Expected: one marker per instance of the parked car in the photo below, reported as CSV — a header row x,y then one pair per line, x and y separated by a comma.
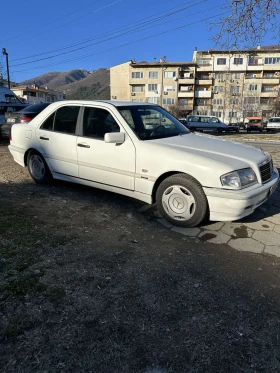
x,y
205,122
141,151
233,127
255,124
23,116
273,124
9,102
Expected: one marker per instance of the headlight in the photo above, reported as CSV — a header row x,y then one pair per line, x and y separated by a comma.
x,y
239,179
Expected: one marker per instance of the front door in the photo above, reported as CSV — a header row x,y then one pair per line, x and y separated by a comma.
x,y
105,163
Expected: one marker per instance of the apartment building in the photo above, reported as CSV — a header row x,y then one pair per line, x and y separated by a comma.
x,y
229,84
244,83
34,94
160,82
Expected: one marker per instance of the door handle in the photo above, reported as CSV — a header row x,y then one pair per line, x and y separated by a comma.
x,y
83,145
44,138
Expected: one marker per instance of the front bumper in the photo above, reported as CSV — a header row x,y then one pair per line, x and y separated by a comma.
x,y
229,205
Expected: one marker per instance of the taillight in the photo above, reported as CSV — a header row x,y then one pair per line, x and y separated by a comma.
x,y
25,119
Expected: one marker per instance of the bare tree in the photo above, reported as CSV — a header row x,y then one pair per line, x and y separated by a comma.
x,y
246,22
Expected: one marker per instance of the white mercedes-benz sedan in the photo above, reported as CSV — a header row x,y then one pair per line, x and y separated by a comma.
x,y
141,151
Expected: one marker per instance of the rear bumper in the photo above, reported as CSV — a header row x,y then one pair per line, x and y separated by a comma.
x,y
18,154
229,205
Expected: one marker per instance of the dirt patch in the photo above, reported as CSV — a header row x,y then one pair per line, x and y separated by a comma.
x,y
90,282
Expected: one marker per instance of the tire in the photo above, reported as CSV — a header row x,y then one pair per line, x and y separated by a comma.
x,y
219,130
181,200
38,168
237,130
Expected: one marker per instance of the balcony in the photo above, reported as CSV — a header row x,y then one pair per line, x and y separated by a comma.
x,y
203,81
203,94
183,80
269,94
274,80
185,94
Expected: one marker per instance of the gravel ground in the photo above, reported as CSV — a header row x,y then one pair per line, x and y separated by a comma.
x,y
91,282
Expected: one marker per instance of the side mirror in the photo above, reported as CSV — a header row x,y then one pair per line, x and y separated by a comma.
x,y
114,137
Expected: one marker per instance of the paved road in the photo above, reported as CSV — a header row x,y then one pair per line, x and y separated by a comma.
x,y
258,233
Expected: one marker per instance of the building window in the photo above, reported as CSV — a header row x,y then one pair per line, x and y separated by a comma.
x,y
218,89
251,100
204,62
169,74
137,88
221,61
232,114
252,87
272,61
217,101
185,101
267,88
220,77
153,74
152,87
169,88
234,89
238,61
168,101
137,75
268,75
217,114
137,100
254,61
235,76
233,101
152,100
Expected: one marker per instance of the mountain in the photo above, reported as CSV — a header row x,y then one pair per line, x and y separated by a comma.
x,y
76,84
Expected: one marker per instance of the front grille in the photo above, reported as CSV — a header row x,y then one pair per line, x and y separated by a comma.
x,y
266,171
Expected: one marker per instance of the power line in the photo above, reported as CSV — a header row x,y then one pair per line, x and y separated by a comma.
x,y
113,37
126,44
123,28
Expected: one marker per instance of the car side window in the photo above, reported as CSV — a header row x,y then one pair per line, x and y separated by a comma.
x,y
204,119
215,120
48,123
97,122
66,119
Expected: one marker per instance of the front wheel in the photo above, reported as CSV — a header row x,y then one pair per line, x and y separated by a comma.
x,y
181,200
38,168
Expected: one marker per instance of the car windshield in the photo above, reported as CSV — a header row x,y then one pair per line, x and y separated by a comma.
x,y
254,120
274,120
151,122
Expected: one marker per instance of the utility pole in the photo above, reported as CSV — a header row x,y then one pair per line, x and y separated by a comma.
x,y
7,64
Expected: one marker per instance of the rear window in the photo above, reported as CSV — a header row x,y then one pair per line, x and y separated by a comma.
x,y
9,109
274,120
36,108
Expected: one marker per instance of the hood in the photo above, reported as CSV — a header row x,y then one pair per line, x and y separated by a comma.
x,y
232,154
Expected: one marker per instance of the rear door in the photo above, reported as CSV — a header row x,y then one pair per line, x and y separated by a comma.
x,y
58,140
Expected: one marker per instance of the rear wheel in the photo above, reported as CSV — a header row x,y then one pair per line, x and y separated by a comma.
x,y
38,168
181,200
219,130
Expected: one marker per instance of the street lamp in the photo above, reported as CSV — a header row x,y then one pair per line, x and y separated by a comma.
x,y
7,64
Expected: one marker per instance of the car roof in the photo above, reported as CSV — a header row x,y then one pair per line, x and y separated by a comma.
x,y
110,102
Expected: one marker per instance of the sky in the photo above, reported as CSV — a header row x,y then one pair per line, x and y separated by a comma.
x,y
63,35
